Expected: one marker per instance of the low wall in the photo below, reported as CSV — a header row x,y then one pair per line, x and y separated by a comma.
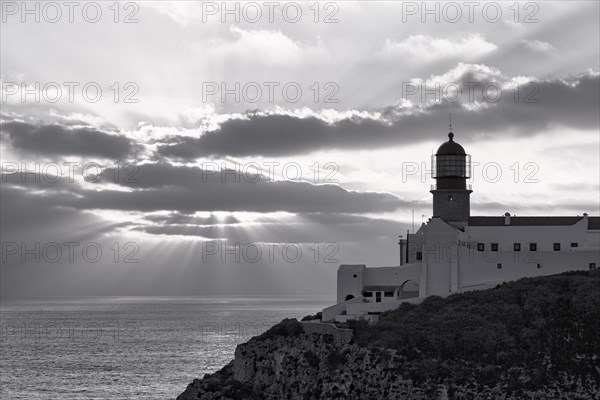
x,y
340,336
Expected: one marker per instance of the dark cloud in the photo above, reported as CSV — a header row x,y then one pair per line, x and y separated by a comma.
x,y
302,228
165,187
277,135
57,140
175,218
254,197
570,103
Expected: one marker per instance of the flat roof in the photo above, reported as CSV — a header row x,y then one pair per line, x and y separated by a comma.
x,y
593,222
380,288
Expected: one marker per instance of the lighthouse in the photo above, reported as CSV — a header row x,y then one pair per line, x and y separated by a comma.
x,y
451,167
499,248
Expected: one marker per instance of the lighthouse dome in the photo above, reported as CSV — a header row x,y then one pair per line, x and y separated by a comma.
x,y
451,147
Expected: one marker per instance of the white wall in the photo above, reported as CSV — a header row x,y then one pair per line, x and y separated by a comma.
x,y
448,267
544,236
347,283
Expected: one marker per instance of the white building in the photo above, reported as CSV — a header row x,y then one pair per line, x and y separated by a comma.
x,y
455,252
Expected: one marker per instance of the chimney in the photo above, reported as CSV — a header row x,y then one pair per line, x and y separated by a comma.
x,y
507,218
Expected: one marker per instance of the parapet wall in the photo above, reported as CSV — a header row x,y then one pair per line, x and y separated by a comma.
x,y
340,336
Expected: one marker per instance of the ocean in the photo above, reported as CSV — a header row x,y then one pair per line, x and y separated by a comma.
x,y
128,347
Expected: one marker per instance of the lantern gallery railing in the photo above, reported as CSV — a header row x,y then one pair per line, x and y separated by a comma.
x,y
468,186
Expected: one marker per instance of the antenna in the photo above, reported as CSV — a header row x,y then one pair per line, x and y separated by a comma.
x,y
450,118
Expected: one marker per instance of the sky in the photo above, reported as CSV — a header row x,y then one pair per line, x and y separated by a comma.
x,y
196,148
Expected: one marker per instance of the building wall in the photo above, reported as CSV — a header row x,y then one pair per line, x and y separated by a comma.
x,y
383,298
350,281
476,268
437,253
451,261
415,245
544,236
457,209
392,276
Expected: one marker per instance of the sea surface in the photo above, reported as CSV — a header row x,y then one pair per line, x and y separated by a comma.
x,y
128,347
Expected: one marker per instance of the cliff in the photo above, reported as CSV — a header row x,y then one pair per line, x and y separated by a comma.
x,y
537,338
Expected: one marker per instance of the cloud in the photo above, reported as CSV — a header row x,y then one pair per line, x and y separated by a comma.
x,y
57,140
305,228
177,218
272,47
539,46
420,48
278,135
571,102
165,187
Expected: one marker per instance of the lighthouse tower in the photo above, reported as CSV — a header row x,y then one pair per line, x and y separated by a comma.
x,y
451,167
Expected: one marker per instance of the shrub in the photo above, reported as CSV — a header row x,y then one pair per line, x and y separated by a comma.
x,y
312,317
289,327
311,358
529,323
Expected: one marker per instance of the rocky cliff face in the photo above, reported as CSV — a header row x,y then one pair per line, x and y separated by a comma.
x,y
307,366
534,339
318,365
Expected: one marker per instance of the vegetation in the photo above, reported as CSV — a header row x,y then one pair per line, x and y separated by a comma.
x,y
312,359
517,341
312,317
336,359
222,384
524,334
289,327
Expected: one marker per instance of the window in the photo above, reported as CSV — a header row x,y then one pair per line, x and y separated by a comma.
x,y
517,246
494,246
419,255
368,294
499,266
592,265
556,246
532,246
449,197
480,246
388,294
355,276
451,165
539,266
574,244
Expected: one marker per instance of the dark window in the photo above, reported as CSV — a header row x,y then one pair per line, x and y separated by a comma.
x,y
556,246
449,197
389,294
532,246
368,294
574,244
494,246
499,266
419,255
592,265
539,266
517,246
480,246
355,276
